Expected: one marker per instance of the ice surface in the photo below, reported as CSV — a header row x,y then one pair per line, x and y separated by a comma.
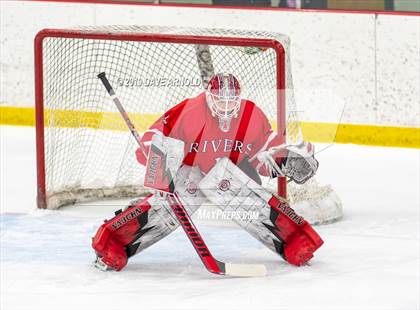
x,y
370,259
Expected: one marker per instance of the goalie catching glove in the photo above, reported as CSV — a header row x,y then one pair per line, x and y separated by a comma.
x,y
296,162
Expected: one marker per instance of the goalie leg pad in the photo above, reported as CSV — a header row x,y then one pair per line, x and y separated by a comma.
x,y
301,247
113,255
161,219
145,221
277,225
112,237
299,238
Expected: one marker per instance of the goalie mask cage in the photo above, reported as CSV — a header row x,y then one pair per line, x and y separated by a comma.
x,y
84,150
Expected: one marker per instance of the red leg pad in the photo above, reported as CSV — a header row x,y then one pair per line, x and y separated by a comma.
x,y
114,255
299,238
101,238
109,248
112,237
302,245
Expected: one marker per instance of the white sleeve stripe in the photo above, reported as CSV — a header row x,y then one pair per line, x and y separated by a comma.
x,y
263,148
153,131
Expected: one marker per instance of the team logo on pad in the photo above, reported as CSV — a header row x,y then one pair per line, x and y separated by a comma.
x,y
224,185
192,188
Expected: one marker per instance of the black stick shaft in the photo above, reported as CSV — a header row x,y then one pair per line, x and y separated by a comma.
x,y
120,108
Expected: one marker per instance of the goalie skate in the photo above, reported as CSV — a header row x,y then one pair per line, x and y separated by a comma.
x,y
99,264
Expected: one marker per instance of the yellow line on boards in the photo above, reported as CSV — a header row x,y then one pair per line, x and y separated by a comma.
x,y
312,131
17,116
75,119
362,134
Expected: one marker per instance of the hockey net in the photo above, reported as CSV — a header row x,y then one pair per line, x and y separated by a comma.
x,y
84,150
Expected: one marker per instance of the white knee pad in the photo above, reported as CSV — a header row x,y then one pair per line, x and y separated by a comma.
x,y
186,186
161,219
231,190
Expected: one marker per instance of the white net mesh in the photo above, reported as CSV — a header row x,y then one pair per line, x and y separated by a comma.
x,y
89,153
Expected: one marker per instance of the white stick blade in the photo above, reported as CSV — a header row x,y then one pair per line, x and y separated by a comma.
x,y
245,270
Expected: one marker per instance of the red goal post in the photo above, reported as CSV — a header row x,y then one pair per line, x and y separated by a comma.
x,y
55,47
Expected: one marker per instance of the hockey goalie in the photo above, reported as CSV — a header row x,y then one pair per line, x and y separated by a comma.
x,y
213,147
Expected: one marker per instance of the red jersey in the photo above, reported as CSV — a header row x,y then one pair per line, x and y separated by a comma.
x,y
192,122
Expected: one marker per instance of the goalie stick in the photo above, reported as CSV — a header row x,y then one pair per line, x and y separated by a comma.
x,y
213,265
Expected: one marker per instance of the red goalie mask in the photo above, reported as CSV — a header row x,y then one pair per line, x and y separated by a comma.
x,y
223,98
